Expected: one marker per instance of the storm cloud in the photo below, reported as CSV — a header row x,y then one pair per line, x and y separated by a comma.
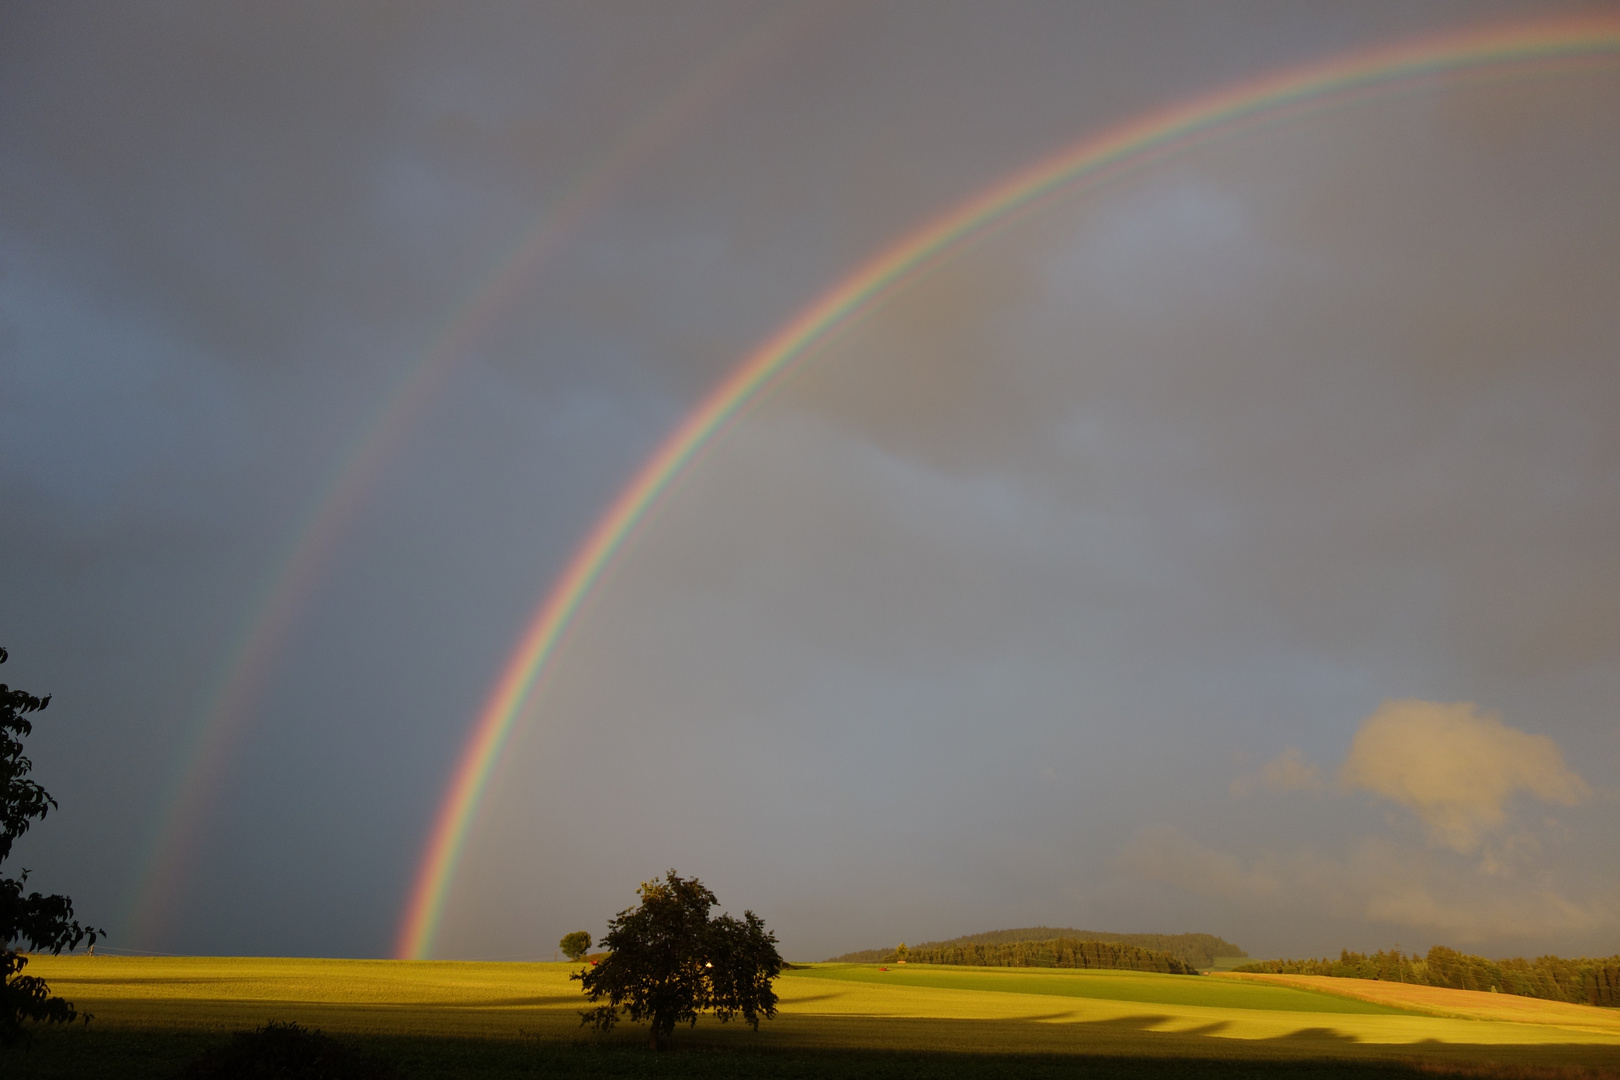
x,y
1048,591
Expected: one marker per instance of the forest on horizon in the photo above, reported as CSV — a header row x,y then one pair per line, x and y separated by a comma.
x,y
1195,950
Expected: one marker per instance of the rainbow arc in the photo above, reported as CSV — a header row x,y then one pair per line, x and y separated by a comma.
x,y
1540,47
194,786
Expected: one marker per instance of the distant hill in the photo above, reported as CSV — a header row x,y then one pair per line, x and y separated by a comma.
x,y
1058,953
1198,950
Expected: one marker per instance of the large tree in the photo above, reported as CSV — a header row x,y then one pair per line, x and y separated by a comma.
x,y
33,922
668,961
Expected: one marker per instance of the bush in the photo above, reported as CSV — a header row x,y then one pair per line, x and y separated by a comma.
x,y
286,1051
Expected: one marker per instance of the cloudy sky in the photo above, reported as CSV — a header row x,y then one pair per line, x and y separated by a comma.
x,y
1225,547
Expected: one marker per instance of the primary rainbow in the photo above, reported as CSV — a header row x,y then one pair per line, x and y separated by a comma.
x,y
1533,47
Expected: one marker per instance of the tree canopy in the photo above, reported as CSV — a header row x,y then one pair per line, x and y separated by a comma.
x,y
575,945
32,921
669,961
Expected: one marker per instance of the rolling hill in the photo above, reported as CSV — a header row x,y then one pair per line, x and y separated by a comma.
x,y
1197,950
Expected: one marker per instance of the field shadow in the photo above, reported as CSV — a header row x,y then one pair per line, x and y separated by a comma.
x,y
1317,1035
871,1048
538,1002
1139,1023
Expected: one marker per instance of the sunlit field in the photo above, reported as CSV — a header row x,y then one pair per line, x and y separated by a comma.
x,y
498,1019
1462,1004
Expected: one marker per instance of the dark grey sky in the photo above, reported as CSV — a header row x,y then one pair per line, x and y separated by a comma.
x,y
1226,548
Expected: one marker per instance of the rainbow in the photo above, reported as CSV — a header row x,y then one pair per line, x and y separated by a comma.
x,y
211,743
1523,48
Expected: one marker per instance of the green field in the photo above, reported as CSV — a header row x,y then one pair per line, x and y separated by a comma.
x,y
447,1019
1119,986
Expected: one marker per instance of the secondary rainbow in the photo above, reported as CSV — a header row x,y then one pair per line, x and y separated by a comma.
x,y
193,786
1527,48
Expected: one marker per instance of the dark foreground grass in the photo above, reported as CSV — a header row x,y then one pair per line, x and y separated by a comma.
x,y
61,1054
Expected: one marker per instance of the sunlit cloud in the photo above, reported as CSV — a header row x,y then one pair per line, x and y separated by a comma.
x,y
1455,767
1288,771
1458,770
1375,879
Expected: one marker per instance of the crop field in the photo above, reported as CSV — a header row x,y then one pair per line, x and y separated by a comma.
x,y
1463,1004
507,1019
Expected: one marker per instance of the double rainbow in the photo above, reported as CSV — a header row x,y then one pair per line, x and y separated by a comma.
x,y
1526,48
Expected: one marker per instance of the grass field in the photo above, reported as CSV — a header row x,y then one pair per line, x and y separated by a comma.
x,y
490,1019
1461,1004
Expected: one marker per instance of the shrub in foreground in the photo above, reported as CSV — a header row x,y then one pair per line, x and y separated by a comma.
x,y
286,1051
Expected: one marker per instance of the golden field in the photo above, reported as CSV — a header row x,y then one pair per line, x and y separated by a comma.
x,y
860,1007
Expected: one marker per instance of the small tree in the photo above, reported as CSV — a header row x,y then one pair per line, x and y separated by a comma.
x,y
668,961
575,945
33,921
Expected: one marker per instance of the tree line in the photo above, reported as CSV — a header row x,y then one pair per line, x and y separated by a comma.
x,y
1196,950
1054,953
1581,981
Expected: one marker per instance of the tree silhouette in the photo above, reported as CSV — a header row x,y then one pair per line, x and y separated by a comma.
x,y
668,961
39,923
